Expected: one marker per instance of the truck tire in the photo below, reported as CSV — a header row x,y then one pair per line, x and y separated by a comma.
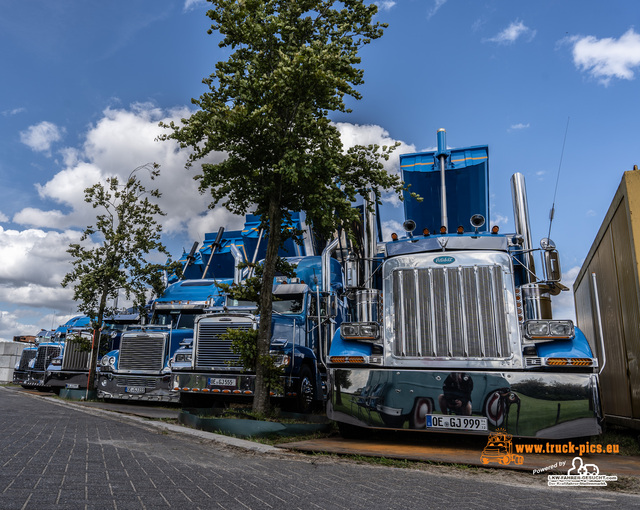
x,y
305,398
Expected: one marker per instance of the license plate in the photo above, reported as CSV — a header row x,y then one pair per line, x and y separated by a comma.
x,y
134,389
72,386
219,381
456,422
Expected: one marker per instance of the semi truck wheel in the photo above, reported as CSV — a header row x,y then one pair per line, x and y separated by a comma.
x,y
306,391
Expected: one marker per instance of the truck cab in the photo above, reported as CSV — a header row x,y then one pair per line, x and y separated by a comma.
x,y
458,334
140,369
70,368
207,371
50,345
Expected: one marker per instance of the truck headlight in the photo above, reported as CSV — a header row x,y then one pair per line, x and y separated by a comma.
x,y
279,359
184,357
360,331
108,361
56,362
545,331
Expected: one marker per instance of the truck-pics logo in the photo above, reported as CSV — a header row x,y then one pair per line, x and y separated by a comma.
x,y
500,449
444,260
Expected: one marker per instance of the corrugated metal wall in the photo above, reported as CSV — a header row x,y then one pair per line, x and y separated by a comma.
x,y
614,258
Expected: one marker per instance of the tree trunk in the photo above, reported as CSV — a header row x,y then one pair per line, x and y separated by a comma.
x,y
261,401
95,344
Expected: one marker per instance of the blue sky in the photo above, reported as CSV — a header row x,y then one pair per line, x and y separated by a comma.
x,y
85,83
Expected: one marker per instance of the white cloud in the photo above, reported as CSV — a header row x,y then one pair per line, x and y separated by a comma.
x,y
3,217
192,4
40,137
385,5
123,139
498,219
34,257
608,58
355,134
519,126
14,111
513,32
435,8
389,227
32,265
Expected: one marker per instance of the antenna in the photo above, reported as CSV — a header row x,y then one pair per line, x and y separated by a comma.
x,y
553,205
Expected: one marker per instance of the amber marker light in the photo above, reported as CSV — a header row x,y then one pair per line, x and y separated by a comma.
x,y
460,229
557,361
394,237
425,232
495,229
443,229
581,362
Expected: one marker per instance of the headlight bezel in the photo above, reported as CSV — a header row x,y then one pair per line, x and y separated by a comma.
x,y
183,357
368,332
548,330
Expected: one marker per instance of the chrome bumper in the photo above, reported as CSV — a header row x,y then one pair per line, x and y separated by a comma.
x,y
532,404
136,387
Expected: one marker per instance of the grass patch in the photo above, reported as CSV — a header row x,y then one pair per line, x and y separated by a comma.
x,y
627,439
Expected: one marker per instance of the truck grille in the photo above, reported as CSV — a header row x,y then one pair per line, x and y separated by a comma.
x,y
145,382
27,356
142,351
213,351
456,312
44,356
74,358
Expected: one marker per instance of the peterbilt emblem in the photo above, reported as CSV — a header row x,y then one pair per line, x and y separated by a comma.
x,y
444,260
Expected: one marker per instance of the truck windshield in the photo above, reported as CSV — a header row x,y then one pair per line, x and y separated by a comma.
x,y
288,303
177,319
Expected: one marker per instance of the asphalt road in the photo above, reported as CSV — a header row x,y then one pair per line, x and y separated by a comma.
x,y
62,456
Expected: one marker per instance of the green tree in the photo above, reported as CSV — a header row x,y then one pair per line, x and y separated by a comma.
x,y
291,64
125,231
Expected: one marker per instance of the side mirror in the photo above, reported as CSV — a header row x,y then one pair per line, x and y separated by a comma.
x,y
552,265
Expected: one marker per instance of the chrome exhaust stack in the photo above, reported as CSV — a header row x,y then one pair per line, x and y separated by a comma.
x,y
521,217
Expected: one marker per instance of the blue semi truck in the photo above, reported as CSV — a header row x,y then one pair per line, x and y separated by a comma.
x,y
451,328
140,368
70,369
306,310
49,346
